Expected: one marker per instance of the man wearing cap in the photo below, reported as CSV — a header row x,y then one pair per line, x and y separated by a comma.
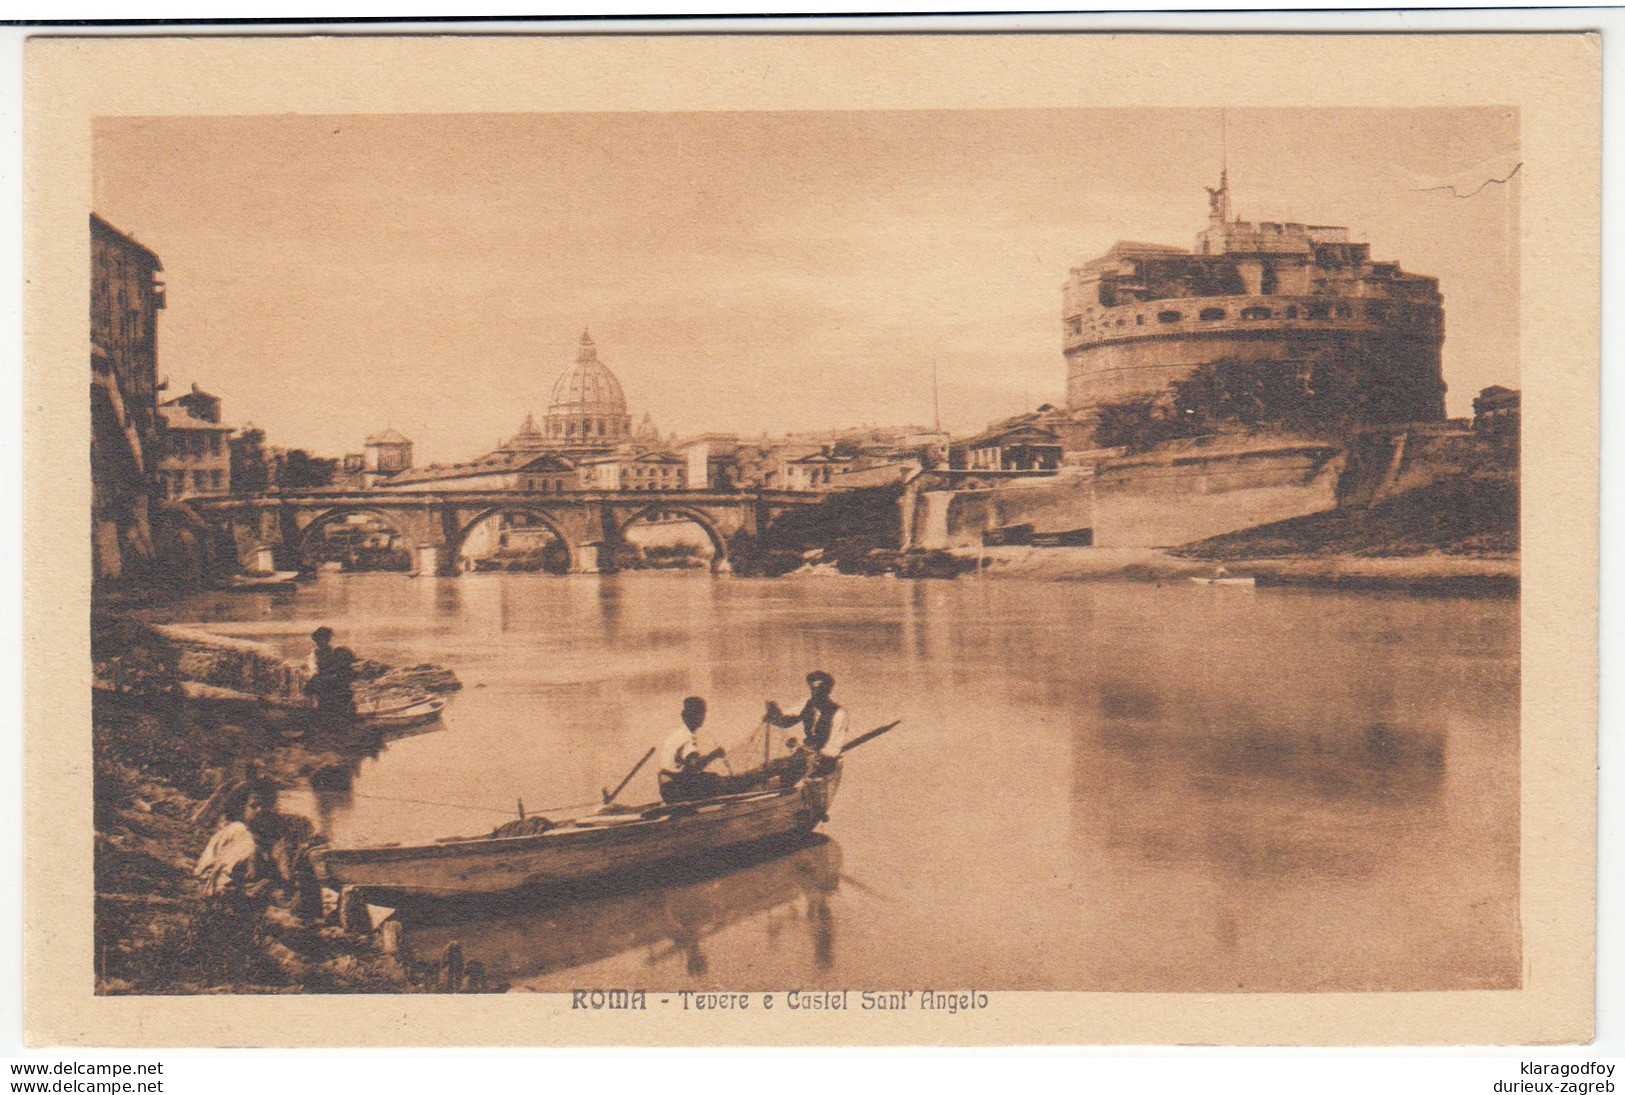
x,y
823,722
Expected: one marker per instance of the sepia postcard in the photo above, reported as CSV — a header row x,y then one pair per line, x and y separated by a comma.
x,y
811,540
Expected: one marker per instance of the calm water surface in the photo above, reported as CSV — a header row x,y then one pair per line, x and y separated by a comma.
x,y
1110,787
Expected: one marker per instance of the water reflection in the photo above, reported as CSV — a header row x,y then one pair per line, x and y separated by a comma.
x,y
1094,788
1248,802
345,750
785,891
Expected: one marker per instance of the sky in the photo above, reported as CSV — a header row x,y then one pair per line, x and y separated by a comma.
x,y
742,272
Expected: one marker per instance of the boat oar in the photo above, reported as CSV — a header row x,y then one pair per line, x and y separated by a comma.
x,y
870,736
609,796
870,890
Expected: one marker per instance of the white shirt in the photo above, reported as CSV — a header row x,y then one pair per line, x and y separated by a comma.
x,y
837,734
226,859
678,745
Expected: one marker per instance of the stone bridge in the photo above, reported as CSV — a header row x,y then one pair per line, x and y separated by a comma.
x,y
273,531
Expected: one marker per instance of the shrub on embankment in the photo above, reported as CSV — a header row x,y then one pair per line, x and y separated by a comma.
x,y
846,527
1470,516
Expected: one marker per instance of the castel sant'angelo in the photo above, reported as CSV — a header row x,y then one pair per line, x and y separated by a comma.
x,y
1145,315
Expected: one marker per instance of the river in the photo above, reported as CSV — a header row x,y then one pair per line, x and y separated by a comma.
x,y
1095,786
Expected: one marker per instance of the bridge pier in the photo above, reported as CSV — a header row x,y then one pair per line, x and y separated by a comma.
x,y
426,560
584,559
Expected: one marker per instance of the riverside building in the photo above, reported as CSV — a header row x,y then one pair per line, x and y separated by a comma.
x,y
196,453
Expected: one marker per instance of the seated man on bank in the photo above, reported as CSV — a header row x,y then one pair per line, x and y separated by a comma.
x,y
823,723
332,675
230,869
683,777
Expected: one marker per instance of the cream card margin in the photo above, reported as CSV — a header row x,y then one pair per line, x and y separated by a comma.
x,y
1554,79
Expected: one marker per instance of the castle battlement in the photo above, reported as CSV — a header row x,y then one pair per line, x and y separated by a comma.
x,y
1145,315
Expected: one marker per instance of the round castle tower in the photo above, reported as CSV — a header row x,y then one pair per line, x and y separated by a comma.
x,y
1145,315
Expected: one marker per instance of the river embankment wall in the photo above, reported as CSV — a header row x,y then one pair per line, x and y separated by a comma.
x,y
1165,498
1184,493
1198,489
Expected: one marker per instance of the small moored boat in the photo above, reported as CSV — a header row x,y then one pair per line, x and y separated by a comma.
x,y
1225,581
386,715
610,841
275,581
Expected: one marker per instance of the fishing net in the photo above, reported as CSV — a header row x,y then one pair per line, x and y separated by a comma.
x,y
761,745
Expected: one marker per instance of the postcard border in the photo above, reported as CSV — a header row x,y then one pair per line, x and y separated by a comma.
x,y
1554,80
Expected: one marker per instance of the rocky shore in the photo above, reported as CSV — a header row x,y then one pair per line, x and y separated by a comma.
x,y
165,757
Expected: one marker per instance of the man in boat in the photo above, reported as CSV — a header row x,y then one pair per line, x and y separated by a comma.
x,y
332,675
683,777
823,723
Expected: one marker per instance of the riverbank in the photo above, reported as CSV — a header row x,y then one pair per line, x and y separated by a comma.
x,y
164,761
1427,573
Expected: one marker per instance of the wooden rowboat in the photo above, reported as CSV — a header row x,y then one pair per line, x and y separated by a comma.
x,y
612,841
1225,581
399,716
673,915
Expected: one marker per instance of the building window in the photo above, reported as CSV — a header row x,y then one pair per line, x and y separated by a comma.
x,y
217,479
1342,311
1139,321
199,480
1255,312
1317,311
1211,314
1376,310
1074,325
1169,317
1292,311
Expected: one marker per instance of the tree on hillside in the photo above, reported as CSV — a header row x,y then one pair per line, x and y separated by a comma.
x,y
1140,424
1247,393
300,470
250,471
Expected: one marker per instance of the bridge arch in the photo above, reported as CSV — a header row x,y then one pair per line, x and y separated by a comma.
x,y
307,537
191,542
719,545
455,550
